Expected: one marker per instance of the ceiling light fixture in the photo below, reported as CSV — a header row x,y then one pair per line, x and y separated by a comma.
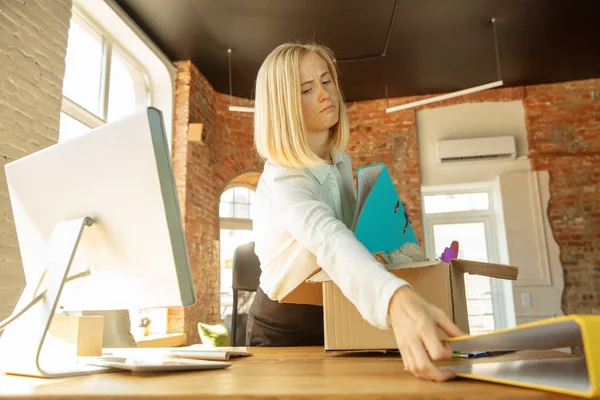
x,y
232,107
463,92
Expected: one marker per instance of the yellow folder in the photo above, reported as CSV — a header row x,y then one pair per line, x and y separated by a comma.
x,y
578,376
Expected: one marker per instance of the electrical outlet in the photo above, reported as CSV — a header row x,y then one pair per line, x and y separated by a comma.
x,y
526,300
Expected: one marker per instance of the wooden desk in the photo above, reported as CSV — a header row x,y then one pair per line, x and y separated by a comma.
x,y
276,373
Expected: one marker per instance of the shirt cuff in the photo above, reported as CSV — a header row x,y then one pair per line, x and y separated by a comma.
x,y
387,291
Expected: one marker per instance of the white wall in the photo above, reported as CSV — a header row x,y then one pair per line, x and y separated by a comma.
x,y
469,121
32,54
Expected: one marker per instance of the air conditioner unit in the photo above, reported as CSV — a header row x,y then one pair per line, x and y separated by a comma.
x,y
475,149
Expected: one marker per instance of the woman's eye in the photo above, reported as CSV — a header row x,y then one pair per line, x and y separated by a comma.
x,y
306,91
326,82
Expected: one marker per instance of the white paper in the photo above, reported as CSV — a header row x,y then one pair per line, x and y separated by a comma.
x,y
366,178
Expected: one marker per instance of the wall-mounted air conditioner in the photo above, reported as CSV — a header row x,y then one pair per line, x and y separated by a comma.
x,y
475,149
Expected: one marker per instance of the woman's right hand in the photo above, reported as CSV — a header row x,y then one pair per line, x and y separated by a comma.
x,y
414,321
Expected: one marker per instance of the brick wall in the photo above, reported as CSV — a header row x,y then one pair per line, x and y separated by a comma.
x,y
202,171
563,124
32,65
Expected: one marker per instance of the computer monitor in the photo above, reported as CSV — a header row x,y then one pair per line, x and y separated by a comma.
x,y
101,208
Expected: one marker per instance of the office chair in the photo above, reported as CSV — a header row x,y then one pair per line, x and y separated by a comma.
x,y
246,277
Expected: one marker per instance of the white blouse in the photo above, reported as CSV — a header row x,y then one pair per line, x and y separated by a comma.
x,y
302,221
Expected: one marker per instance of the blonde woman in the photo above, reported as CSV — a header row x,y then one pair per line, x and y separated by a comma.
x,y
304,206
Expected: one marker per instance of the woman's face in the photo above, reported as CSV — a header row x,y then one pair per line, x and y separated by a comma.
x,y
319,94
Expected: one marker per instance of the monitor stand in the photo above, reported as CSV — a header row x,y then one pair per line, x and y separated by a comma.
x,y
26,347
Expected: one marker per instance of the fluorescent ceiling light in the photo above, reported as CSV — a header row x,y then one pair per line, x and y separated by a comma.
x,y
430,100
445,96
241,109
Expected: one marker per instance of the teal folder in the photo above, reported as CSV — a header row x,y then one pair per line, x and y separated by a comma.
x,y
380,221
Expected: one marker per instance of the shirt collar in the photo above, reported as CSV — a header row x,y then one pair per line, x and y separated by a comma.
x,y
320,172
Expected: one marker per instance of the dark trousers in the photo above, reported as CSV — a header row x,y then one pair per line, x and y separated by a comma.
x,y
271,323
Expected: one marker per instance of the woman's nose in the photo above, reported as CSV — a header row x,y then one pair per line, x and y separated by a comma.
x,y
323,93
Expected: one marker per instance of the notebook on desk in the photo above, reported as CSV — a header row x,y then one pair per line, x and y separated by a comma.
x,y
380,220
139,363
195,352
209,353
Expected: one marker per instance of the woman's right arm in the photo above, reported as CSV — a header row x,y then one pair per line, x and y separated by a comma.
x,y
414,321
381,298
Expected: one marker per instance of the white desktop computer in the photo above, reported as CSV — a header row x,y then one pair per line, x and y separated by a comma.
x,y
99,228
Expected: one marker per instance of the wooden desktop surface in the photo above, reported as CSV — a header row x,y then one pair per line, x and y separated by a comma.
x,y
277,373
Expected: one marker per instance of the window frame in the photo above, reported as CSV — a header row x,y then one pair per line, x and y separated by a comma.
x,y
77,111
500,289
234,223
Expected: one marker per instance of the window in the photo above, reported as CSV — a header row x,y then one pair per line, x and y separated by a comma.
x,y
236,203
235,213
101,84
455,202
468,217
128,91
473,245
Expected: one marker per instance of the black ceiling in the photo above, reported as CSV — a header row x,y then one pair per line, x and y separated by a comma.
x,y
434,46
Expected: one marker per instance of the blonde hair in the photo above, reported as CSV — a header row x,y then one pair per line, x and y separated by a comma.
x,y
279,130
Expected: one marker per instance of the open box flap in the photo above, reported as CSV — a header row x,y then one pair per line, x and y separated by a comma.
x,y
305,292
465,266
499,271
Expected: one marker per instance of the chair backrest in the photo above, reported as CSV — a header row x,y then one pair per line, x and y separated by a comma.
x,y
245,268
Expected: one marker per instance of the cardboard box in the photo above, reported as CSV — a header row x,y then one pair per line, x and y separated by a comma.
x,y
439,283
